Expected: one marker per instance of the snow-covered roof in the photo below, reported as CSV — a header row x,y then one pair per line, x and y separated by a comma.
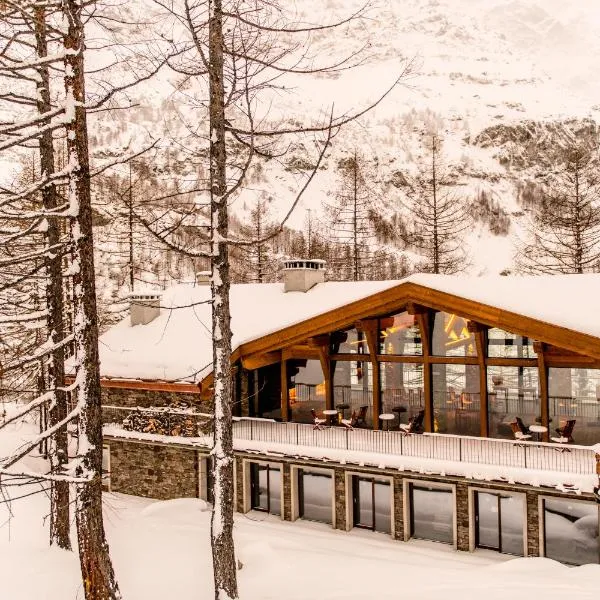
x,y
176,346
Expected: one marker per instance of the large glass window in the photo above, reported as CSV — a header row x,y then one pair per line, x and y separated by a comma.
x,y
574,395
351,341
372,504
432,513
512,392
456,399
503,344
571,531
353,387
315,496
265,488
451,336
265,400
401,389
400,334
306,389
499,522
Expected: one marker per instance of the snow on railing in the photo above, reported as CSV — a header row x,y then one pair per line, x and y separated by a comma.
x,y
570,458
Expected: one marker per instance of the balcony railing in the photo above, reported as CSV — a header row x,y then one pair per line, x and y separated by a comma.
x,y
573,459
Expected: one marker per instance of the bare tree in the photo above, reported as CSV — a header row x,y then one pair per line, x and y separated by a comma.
x,y
351,221
564,229
440,219
239,51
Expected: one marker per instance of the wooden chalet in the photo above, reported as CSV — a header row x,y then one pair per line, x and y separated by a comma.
x,y
496,380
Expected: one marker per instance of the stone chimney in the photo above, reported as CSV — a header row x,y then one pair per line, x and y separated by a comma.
x,y
300,275
144,307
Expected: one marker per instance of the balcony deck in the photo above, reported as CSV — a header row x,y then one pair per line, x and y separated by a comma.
x,y
534,463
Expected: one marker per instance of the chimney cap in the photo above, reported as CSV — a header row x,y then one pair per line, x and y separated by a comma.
x,y
304,263
145,295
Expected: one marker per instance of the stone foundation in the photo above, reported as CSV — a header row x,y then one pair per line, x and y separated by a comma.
x,y
169,471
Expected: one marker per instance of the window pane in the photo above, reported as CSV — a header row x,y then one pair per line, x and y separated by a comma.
x,y
574,394
351,341
456,399
400,334
353,386
503,344
267,392
383,507
364,503
260,486
402,389
512,509
317,494
274,491
571,531
451,336
512,392
488,521
432,514
306,389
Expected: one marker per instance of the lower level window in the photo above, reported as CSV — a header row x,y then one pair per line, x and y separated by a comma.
x,y
432,513
265,488
372,504
499,522
315,496
571,531
106,468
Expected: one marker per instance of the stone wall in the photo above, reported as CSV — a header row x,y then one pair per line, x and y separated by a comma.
x,y
152,470
166,471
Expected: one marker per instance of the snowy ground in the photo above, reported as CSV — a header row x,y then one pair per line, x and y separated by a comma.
x,y
161,550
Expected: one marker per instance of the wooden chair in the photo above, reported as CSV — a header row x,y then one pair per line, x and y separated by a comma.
x,y
524,429
361,418
351,422
518,432
565,433
318,421
415,424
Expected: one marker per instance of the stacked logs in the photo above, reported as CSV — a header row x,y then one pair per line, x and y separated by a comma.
x,y
162,421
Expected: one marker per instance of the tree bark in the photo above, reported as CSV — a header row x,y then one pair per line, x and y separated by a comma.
x,y
96,566
59,497
223,553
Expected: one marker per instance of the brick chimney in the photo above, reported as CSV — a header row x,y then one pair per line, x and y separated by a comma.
x,y
300,275
144,307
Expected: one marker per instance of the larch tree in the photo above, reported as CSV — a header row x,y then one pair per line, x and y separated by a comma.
x,y
439,218
563,234
237,53
350,221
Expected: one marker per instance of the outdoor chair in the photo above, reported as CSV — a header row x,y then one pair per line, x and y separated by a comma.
x,y
565,433
415,424
518,431
318,421
361,417
524,429
351,422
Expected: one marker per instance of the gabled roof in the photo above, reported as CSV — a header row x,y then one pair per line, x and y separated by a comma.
x,y
561,309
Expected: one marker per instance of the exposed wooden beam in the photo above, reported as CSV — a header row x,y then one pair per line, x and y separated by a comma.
x,y
543,380
256,361
308,352
373,344
424,322
481,345
285,400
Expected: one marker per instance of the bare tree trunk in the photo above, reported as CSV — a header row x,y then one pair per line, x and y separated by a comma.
x,y
436,240
223,553
96,566
59,498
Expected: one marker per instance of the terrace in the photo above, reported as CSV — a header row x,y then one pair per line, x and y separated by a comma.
x,y
535,463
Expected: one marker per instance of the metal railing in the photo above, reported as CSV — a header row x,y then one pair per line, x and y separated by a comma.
x,y
451,448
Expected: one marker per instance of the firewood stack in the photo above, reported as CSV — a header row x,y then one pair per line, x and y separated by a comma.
x,y
161,421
